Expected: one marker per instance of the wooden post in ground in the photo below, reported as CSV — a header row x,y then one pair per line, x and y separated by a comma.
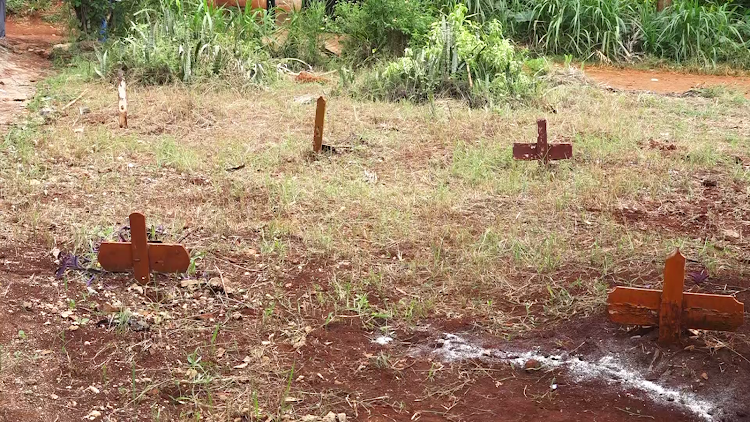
x,y
139,245
541,141
123,100
670,315
320,115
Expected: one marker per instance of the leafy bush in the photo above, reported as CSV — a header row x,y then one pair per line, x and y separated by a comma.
x,y
385,26
460,59
302,35
706,33
27,7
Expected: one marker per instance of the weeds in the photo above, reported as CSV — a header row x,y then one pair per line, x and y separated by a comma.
x,y
707,33
461,59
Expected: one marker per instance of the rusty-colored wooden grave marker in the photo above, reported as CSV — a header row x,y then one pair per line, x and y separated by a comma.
x,y
320,115
671,309
541,150
141,255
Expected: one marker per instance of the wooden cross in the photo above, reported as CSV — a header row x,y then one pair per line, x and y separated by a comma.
x,y
141,255
671,309
320,115
541,150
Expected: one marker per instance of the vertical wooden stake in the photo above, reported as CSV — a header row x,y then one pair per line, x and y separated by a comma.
x,y
670,311
139,247
123,101
320,114
542,149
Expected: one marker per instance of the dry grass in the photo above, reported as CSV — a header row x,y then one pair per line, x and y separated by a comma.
x,y
452,228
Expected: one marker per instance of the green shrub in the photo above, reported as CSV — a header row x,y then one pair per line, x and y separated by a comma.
x,y
302,35
460,59
27,7
381,26
706,33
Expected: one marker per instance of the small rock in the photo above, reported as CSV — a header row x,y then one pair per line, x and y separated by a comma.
x,y
94,414
54,396
330,417
341,417
310,418
704,376
305,99
27,306
731,234
84,110
61,48
93,389
532,365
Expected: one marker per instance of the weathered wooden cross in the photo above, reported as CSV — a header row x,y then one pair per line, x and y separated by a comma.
x,y
320,115
671,309
541,150
141,255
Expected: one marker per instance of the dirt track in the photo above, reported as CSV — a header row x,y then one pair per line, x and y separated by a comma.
x,y
663,82
23,62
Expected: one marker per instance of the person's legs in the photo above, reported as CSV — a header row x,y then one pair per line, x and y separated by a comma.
x,y
2,18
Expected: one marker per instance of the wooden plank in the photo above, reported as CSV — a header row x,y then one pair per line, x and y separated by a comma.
x,y
712,312
525,152
320,114
559,151
139,246
670,311
636,306
162,257
115,257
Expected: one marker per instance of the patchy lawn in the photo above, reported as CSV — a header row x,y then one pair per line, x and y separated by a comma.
x,y
421,228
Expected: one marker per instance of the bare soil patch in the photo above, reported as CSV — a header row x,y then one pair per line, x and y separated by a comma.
x,y
23,62
662,81
403,380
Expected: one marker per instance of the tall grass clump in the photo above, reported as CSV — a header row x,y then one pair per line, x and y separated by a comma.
x,y
462,59
705,33
382,27
303,35
586,28
189,40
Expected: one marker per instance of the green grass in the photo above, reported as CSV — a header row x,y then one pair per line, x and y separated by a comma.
x,y
452,227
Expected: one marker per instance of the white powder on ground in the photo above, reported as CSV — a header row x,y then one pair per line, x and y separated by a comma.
x,y
383,340
454,348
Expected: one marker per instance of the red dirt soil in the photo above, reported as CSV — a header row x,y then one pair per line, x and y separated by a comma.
x,y
23,63
662,81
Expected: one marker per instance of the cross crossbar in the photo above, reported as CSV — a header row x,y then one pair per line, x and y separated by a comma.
x,y
672,309
541,150
141,255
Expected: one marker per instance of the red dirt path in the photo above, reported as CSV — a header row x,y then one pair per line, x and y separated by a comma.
x,y
662,81
23,61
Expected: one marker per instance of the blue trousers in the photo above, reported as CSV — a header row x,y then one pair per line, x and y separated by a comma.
x,y
2,18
